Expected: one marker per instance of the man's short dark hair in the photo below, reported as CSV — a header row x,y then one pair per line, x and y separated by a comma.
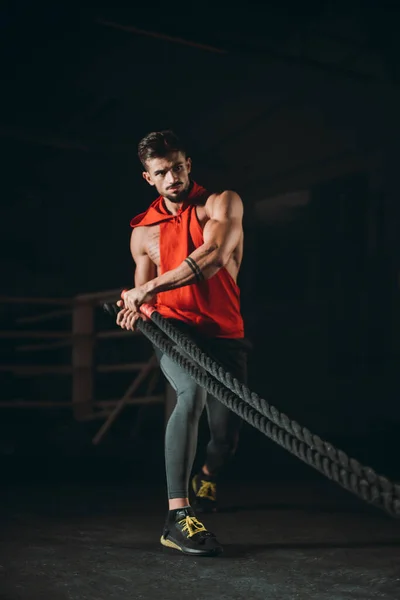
x,y
159,144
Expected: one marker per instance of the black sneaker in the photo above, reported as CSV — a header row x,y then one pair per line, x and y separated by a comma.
x,y
184,532
205,489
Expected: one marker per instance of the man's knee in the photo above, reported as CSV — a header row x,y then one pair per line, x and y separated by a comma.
x,y
190,400
177,377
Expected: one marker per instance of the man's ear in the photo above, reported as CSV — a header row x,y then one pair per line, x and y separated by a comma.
x,y
147,177
189,164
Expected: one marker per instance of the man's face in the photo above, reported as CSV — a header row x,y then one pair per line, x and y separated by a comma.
x,y
170,175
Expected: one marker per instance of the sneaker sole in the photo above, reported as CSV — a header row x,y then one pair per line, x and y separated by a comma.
x,y
189,552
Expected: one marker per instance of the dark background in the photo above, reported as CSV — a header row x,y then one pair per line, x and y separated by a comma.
x,y
297,110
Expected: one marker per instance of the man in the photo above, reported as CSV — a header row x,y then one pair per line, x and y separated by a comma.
x,y
188,248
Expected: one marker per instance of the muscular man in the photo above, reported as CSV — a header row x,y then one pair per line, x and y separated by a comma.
x,y
188,248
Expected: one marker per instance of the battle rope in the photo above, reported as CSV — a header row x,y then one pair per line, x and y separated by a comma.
x,y
322,456
323,447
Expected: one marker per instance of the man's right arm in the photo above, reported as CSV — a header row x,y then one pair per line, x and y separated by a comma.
x,y
144,272
145,268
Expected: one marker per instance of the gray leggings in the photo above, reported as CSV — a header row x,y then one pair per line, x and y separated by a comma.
x,y
182,428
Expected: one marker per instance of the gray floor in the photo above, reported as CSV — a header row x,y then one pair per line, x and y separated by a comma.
x,y
285,541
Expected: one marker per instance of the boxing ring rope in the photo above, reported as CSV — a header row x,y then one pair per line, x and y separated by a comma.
x,y
347,472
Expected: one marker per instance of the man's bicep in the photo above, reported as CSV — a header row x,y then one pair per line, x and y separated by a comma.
x,y
224,235
224,229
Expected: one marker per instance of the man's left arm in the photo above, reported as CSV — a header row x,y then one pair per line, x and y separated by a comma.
x,y
221,235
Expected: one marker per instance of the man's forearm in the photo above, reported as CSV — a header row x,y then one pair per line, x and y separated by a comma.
x,y
202,264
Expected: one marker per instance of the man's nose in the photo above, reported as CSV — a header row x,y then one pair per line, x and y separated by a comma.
x,y
171,177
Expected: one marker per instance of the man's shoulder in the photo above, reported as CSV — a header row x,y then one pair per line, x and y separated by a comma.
x,y
223,193
223,196
139,232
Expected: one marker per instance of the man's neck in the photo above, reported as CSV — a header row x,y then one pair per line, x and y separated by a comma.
x,y
175,207
172,207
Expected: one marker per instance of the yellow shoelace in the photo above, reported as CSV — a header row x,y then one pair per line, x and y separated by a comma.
x,y
191,526
207,490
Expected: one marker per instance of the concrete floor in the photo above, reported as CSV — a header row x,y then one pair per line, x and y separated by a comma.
x,y
284,541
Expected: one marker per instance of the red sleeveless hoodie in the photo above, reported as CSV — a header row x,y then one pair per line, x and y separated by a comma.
x,y
212,305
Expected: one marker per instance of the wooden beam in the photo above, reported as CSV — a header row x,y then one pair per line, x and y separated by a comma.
x,y
99,297
48,346
121,367
67,369
82,359
36,369
69,341
245,49
161,36
18,335
117,333
147,369
139,400
33,300
22,404
55,314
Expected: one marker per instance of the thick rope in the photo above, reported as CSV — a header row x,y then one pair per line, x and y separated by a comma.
x,y
388,500
361,481
314,442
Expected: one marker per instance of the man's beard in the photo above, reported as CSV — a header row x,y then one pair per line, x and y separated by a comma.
x,y
181,197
